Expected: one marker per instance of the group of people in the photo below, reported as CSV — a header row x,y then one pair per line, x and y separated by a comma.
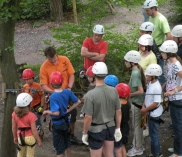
x,y
155,69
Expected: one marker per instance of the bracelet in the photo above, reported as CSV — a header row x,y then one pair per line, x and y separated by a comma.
x,y
176,90
69,87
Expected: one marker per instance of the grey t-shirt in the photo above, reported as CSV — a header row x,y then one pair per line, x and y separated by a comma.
x,y
101,103
134,82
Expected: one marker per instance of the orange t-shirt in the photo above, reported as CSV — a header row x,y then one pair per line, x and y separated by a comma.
x,y
36,95
64,66
24,121
101,48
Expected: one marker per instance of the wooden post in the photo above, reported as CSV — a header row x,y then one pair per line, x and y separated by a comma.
x,y
75,12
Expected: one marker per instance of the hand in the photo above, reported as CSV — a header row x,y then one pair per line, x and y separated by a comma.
x,y
117,134
40,143
85,139
169,93
45,113
143,110
15,140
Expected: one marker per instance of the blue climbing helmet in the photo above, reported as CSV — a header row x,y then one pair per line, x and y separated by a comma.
x,y
111,80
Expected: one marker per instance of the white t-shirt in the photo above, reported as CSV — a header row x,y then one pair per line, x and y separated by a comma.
x,y
173,80
154,88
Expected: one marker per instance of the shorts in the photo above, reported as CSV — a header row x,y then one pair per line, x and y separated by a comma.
x,y
28,150
73,115
118,144
96,140
61,138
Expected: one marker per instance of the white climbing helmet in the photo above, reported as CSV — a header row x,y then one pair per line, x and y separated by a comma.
x,y
153,70
23,99
98,29
177,31
133,56
169,46
150,4
147,26
100,68
146,40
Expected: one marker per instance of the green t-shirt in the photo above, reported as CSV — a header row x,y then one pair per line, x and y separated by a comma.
x,y
161,28
134,83
101,103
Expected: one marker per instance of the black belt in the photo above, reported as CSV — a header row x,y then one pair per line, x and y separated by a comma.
x,y
136,105
157,121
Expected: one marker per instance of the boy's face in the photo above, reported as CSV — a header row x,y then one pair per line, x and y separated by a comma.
x,y
90,78
148,78
29,81
164,55
144,32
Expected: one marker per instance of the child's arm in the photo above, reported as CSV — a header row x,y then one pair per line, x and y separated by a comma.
x,y
14,130
74,106
35,133
42,100
51,113
151,107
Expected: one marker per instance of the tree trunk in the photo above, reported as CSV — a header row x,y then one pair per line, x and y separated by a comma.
x,y
9,75
75,12
56,10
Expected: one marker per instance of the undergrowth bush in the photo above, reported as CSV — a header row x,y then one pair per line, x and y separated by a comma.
x,y
34,9
176,7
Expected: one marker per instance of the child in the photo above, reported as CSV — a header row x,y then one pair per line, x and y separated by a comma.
x,y
35,90
111,80
23,126
137,85
169,51
124,93
59,114
91,79
152,107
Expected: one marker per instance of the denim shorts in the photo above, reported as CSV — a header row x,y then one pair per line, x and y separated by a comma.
x,y
96,140
61,138
118,144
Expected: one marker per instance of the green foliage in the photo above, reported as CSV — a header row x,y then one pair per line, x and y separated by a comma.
x,y
176,7
34,9
7,12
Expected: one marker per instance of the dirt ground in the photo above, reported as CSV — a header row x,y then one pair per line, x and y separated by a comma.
x,y
28,43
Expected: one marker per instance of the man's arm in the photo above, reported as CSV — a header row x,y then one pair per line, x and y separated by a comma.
x,y
169,36
86,53
98,57
118,118
87,123
71,81
47,89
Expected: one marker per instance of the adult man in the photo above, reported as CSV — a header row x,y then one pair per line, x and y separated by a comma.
x,y
102,115
63,65
162,29
94,49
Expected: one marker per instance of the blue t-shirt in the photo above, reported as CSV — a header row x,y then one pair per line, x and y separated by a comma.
x,y
59,102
